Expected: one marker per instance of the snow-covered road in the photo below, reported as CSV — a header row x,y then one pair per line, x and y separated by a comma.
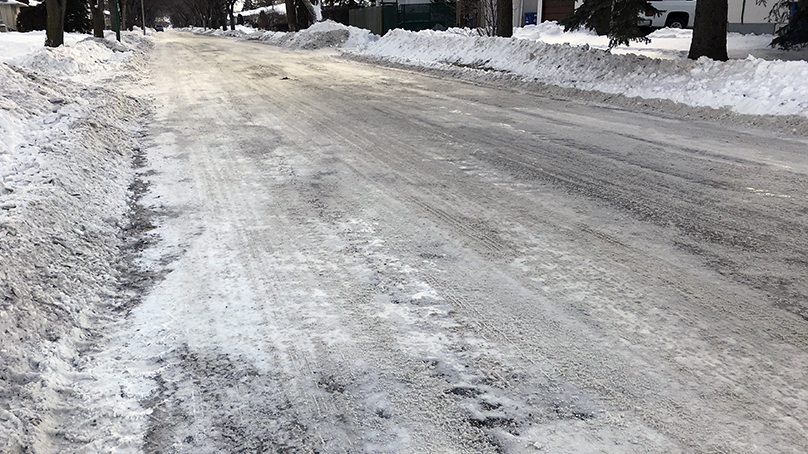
x,y
345,257
362,259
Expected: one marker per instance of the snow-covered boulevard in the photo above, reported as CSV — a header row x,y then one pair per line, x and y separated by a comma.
x,y
325,254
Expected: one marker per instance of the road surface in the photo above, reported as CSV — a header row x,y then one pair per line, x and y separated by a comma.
x,y
364,259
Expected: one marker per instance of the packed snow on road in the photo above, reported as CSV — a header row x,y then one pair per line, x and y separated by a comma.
x,y
331,241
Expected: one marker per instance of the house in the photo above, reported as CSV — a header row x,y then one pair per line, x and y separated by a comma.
x,y
743,16
474,13
749,16
8,13
527,12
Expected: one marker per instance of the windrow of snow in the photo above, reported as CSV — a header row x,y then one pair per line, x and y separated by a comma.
x,y
750,86
65,175
84,60
216,32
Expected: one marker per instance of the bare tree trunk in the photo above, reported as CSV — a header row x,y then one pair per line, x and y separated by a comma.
x,y
710,31
504,18
291,15
97,9
489,17
55,25
124,16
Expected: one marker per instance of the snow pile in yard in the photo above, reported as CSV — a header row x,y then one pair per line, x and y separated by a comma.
x,y
749,86
17,46
315,37
86,58
666,43
321,35
65,171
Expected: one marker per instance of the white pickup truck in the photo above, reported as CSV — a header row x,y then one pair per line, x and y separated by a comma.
x,y
672,13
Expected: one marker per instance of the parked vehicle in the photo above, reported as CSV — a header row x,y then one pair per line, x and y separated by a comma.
x,y
158,28
672,13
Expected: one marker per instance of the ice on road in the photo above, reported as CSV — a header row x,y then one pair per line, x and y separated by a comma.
x,y
368,260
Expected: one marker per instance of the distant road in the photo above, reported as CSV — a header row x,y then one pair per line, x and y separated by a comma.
x,y
365,259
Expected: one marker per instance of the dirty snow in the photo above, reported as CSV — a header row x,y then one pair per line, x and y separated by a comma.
x,y
65,172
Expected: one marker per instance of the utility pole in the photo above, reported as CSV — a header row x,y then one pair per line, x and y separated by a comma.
x,y
143,13
117,14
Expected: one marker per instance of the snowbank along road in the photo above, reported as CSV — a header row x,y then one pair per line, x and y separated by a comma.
x,y
363,259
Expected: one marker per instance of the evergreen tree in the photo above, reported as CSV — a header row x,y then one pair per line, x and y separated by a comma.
x,y
32,18
616,19
795,15
76,17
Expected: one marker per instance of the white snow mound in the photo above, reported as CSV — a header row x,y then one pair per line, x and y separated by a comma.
x,y
751,86
321,35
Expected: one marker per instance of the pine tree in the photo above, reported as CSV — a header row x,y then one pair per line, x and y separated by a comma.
x,y
616,19
78,17
795,33
32,18
64,15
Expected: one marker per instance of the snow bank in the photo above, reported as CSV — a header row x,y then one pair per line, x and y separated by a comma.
x,y
238,33
15,46
750,86
65,171
88,56
83,56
